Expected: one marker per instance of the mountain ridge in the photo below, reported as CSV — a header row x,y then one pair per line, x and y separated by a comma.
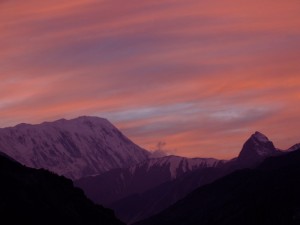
x,y
144,203
266,195
118,183
74,148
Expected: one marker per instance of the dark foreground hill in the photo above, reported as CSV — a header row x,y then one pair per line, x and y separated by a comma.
x,y
267,195
34,197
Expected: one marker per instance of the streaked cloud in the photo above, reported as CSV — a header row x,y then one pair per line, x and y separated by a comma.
x,y
198,75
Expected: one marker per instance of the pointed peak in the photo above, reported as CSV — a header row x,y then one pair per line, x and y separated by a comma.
x,y
260,137
256,148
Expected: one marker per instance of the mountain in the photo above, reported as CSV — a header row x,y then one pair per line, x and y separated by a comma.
x,y
35,197
256,149
116,184
141,205
294,147
74,148
266,195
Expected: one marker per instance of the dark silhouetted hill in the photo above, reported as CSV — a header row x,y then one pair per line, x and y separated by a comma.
x,y
139,203
267,195
38,197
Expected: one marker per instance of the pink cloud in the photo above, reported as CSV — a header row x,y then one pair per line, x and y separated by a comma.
x,y
188,73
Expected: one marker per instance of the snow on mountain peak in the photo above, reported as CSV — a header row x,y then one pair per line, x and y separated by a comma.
x,y
260,137
176,165
74,148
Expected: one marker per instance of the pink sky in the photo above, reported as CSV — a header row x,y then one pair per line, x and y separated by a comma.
x,y
199,75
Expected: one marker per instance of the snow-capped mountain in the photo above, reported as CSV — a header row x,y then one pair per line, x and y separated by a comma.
x,y
119,183
175,166
74,148
257,148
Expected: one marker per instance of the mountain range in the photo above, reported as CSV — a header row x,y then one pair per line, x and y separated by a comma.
x,y
265,195
116,173
116,184
138,192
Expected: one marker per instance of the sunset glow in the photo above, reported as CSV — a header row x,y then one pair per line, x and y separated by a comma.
x,y
201,76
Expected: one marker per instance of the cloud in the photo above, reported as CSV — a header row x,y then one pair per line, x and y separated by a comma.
x,y
189,72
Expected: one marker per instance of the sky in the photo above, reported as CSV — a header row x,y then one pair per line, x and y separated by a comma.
x,y
193,78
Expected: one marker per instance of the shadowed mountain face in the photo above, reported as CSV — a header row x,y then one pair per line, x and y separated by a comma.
x,y
35,197
73,148
140,206
256,149
150,187
120,183
267,195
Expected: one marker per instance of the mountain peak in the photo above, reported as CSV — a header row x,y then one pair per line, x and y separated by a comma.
x,y
260,137
89,118
67,122
74,148
80,119
255,149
